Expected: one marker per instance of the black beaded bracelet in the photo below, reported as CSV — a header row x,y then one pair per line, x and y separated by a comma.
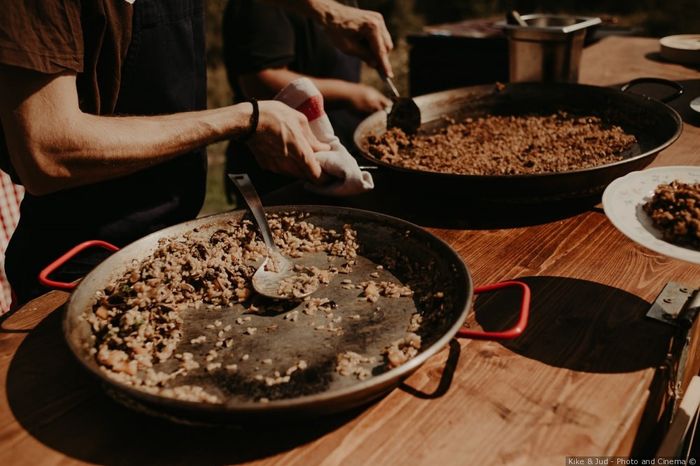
x,y
254,118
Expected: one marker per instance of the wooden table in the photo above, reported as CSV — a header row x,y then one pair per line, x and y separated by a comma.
x,y
585,379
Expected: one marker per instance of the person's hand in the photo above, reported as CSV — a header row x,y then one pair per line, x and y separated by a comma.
x,y
284,143
366,99
361,33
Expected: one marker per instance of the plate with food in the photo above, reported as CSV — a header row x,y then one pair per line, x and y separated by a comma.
x,y
172,326
659,209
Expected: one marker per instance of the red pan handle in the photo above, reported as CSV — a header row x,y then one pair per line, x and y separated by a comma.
x,y
522,321
44,274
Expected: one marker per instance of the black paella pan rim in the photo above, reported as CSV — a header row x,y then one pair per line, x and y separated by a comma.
x,y
488,90
364,391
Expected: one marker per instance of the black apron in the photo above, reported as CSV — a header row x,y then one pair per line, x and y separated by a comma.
x,y
164,72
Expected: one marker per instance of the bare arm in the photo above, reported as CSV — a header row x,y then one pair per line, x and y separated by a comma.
x,y
53,145
354,31
266,83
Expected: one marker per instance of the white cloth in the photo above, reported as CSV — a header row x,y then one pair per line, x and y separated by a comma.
x,y
348,179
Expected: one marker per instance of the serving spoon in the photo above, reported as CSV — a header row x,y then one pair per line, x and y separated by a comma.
x,y
276,268
404,113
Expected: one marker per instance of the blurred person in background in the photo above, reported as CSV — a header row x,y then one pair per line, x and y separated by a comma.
x,y
267,47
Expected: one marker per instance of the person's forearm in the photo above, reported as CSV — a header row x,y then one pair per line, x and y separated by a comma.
x,y
358,32
266,83
96,148
59,147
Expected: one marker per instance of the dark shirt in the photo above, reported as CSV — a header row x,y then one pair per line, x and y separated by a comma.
x,y
144,59
257,36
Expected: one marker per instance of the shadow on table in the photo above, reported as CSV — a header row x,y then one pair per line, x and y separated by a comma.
x,y
446,378
656,57
579,325
447,211
62,406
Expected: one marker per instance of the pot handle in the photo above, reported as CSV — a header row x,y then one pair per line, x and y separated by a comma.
x,y
519,327
44,274
679,89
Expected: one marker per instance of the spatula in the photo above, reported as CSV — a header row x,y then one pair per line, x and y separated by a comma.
x,y
404,113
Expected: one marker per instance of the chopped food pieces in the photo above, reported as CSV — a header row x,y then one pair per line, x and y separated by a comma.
x,y
300,284
199,340
146,332
190,393
675,210
416,320
319,304
188,363
402,350
211,355
372,290
276,379
351,363
506,145
212,366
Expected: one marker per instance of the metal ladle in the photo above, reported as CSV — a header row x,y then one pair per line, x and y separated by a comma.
x,y
404,113
276,268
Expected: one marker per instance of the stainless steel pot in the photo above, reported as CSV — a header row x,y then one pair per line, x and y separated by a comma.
x,y
548,49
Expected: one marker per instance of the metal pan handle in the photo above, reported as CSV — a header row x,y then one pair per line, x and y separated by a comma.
x,y
44,274
519,327
664,82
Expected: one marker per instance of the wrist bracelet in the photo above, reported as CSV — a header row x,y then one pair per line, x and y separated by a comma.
x,y
254,118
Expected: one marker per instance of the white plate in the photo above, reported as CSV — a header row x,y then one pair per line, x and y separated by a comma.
x,y
623,200
683,48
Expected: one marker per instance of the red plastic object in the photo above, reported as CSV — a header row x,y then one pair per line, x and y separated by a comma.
x,y
511,333
44,274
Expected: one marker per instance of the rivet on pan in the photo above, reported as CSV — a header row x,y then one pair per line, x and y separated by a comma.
x,y
684,290
667,300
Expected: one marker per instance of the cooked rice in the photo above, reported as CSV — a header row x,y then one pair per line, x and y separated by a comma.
x,y
137,321
675,210
507,145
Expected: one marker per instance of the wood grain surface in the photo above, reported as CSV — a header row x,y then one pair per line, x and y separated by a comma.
x,y
576,383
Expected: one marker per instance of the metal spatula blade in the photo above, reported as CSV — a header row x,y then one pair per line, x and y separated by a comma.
x,y
404,113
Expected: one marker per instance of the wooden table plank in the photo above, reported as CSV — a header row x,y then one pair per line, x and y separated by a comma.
x,y
575,384
618,60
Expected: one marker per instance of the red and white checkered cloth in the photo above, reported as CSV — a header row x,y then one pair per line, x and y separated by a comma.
x,y
347,178
10,197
